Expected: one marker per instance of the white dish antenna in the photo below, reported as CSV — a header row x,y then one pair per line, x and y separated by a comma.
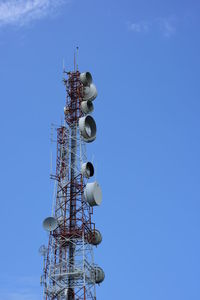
x,y
89,92
99,275
87,106
95,238
66,110
50,224
87,169
93,194
86,78
88,128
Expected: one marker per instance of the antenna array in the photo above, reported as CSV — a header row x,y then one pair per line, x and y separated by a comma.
x,y
69,271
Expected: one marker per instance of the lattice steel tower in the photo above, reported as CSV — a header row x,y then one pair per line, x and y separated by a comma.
x,y
69,271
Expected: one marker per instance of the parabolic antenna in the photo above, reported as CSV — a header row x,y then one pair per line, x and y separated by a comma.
x,y
87,169
50,224
93,194
95,238
86,78
90,92
99,275
87,106
66,110
88,128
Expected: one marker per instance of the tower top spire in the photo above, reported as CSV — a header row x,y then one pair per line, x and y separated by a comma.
x,y
76,59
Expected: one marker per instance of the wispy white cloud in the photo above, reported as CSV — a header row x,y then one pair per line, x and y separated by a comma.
x,y
140,27
19,12
165,26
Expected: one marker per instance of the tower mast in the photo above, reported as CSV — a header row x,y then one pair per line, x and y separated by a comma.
x,y
69,271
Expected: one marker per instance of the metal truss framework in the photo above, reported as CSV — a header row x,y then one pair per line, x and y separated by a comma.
x,y
69,270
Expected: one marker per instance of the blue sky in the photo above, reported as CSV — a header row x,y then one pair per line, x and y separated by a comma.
x,y
144,57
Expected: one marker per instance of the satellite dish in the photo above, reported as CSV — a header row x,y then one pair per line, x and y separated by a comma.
x,y
95,237
99,275
93,194
50,224
66,110
87,106
86,78
88,128
87,169
89,92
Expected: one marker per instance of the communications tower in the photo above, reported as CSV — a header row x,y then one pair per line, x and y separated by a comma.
x,y
69,271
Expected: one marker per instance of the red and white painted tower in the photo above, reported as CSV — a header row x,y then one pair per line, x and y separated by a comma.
x,y
69,271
